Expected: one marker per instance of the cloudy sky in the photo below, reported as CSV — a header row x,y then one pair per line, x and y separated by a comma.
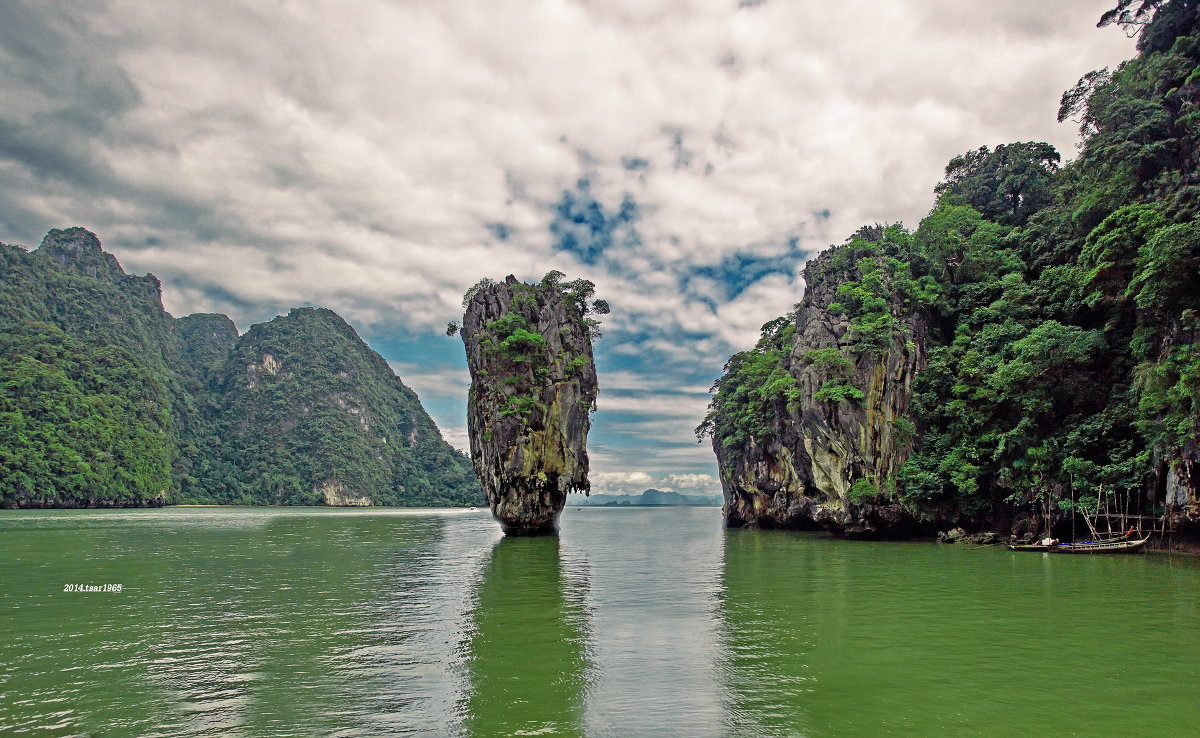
x,y
379,156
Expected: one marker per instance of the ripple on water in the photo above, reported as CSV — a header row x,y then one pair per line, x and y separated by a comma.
x,y
268,622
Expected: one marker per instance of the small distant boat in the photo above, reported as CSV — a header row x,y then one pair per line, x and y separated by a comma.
x,y
473,508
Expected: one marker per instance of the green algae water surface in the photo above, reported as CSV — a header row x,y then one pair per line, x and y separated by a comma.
x,y
654,622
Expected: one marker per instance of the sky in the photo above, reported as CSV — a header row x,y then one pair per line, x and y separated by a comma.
x,y
378,157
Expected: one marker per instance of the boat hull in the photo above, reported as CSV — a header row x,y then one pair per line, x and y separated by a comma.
x,y
1108,547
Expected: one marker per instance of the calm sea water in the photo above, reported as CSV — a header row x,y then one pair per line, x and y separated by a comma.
x,y
651,622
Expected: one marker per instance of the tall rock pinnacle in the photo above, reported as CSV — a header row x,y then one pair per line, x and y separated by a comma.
x,y
533,386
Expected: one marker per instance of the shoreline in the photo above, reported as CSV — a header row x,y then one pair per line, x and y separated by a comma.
x,y
1177,544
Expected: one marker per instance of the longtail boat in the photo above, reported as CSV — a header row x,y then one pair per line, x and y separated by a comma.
x,y
1112,542
1119,545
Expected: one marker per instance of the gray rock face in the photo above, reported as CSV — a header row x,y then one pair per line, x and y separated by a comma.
x,y
79,250
805,475
533,386
1177,470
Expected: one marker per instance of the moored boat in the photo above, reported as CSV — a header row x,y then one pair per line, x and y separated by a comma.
x,y
1120,545
1044,544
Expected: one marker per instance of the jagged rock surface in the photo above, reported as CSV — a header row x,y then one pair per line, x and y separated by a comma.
x,y
801,476
530,401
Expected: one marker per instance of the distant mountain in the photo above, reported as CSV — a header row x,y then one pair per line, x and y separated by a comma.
x,y
651,498
308,414
107,400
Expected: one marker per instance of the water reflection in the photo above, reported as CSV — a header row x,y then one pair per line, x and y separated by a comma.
x,y
633,622
769,634
238,623
526,663
278,633
653,594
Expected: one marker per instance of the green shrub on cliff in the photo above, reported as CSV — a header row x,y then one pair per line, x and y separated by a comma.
x,y
754,392
838,391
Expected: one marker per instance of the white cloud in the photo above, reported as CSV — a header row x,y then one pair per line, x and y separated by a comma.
x,y
257,157
701,482
441,381
620,482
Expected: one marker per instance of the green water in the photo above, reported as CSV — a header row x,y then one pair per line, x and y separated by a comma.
x,y
655,622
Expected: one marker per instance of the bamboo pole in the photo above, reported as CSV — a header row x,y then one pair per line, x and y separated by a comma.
x,y
1108,514
1074,513
1088,519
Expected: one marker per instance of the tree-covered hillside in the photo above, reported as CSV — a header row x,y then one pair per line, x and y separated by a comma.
x,y
105,399
308,414
94,402
1058,308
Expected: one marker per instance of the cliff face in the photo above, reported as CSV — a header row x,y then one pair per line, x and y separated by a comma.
x,y
1177,469
533,386
838,433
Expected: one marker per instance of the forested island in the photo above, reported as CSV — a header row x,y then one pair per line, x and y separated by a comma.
x,y
109,401
1033,344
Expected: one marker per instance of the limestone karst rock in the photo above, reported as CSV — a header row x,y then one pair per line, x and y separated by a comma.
x,y
533,387
819,457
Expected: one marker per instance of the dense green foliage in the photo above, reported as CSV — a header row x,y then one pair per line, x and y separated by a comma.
x,y
305,404
103,334
105,399
79,422
879,285
1006,185
1063,303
